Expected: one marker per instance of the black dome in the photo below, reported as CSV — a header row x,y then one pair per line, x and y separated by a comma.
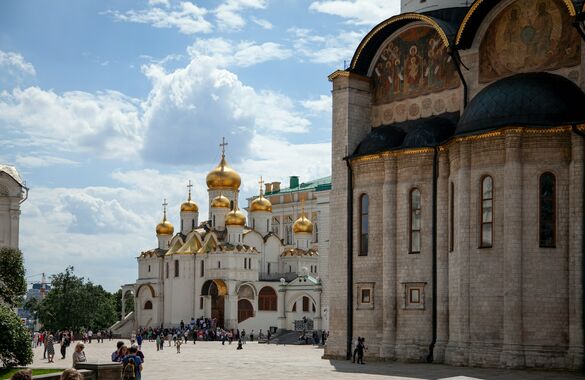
x,y
431,131
532,99
381,139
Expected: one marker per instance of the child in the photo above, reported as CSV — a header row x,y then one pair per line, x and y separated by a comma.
x,y
178,344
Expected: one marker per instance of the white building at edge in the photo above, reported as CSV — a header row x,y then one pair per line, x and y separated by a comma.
x,y
236,271
13,192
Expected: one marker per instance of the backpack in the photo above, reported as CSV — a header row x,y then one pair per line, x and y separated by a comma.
x,y
129,370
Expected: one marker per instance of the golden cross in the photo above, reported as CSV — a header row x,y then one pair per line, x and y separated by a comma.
x,y
165,204
223,145
261,183
189,186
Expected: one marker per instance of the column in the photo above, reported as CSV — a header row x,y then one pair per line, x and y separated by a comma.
x,y
123,306
231,311
512,353
389,260
575,254
282,307
443,199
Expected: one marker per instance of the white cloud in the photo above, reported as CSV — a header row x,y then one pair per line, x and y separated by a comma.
x,y
245,53
165,3
264,24
359,12
15,64
41,161
228,14
187,17
203,102
106,123
321,105
327,49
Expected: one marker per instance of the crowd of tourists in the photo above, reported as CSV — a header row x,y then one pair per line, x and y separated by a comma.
x,y
48,339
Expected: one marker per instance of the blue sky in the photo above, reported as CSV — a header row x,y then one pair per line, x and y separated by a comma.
x,y
107,107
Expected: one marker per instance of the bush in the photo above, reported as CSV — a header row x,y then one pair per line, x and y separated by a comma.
x,y
15,342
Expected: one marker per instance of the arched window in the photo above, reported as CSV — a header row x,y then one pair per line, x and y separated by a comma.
x,y
306,304
415,221
547,211
176,268
245,310
267,299
364,224
202,269
148,305
487,212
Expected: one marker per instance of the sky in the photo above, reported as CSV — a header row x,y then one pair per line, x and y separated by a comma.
x,y
107,107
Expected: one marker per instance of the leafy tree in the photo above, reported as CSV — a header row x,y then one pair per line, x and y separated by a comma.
x,y
128,303
12,282
75,304
15,347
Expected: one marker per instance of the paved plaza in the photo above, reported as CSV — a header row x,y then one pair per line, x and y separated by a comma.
x,y
212,360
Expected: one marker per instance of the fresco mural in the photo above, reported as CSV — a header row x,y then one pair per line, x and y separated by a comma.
x,y
412,64
529,35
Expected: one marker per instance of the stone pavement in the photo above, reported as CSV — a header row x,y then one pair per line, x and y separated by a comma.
x,y
257,361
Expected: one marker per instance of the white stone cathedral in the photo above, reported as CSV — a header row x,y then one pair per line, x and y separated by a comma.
x,y
13,192
223,269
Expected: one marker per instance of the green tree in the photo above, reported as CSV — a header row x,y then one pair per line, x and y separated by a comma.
x,y
76,304
15,346
12,282
128,303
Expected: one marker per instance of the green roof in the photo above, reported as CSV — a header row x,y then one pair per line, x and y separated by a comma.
x,y
320,184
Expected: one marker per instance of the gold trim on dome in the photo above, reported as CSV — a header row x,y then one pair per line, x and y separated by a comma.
x,y
405,16
568,3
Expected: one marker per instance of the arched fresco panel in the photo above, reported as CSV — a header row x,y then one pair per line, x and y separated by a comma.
x,y
529,36
413,63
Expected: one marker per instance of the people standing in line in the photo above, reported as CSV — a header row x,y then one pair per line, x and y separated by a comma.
x,y
132,364
78,355
50,347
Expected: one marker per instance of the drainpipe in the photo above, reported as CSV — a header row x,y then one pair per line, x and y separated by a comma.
x,y
349,258
578,132
434,253
454,53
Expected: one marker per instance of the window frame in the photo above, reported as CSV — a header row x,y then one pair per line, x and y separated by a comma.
x,y
481,208
176,268
146,304
267,302
363,251
554,210
410,220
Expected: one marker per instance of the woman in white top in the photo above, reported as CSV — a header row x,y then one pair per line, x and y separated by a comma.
x,y
79,355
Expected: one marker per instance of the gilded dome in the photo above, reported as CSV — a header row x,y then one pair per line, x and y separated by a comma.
x,y
223,177
261,204
220,202
235,218
303,224
165,228
189,206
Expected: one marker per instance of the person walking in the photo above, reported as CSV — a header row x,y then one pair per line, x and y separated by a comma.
x,y
78,355
361,347
178,345
139,341
65,341
50,347
355,350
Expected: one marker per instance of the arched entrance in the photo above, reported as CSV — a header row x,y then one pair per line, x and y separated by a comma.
x,y
245,310
216,290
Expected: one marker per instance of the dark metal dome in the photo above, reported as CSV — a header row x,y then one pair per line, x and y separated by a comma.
x,y
431,131
381,139
532,99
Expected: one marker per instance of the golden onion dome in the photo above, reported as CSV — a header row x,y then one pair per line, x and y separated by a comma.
x,y
303,224
235,218
165,228
223,177
261,204
220,201
189,206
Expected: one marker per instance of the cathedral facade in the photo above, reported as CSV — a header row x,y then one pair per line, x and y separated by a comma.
x,y
457,201
13,192
231,269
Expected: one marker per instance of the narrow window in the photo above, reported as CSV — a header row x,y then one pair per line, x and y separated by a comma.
x,y
366,295
202,269
167,267
267,230
148,305
182,222
176,268
149,268
201,303
245,263
219,265
415,221
364,225
547,211
268,268
306,304
213,220
289,269
294,307
487,212
249,263
316,233
414,295
452,217
192,223
254,223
